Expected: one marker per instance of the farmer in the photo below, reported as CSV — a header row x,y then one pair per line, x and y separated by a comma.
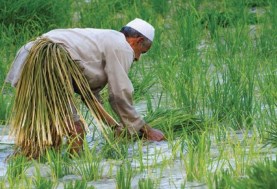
x,y
104,57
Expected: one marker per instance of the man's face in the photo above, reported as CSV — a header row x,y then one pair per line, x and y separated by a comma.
x,y
140,47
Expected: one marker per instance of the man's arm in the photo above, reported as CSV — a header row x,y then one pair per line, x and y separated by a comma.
x,y
120,92
118,63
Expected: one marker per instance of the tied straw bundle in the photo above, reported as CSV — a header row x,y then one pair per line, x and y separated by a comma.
x,y
42,112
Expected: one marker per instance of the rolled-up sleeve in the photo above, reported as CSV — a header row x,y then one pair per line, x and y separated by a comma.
x,y
118,63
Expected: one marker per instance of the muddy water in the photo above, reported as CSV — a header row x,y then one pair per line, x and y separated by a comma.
x,y
171,173
6,144
171,176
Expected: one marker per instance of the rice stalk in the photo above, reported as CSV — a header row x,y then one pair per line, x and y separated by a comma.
x,y
174,119
44,101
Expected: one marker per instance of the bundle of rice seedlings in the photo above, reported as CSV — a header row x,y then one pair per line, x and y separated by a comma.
x,y
175,120
42,112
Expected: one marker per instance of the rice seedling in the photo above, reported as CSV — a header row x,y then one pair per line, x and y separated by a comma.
x,y
221,180
267,84
146,183
232,94
19,183
2,183
175,120
197,158
124,176
42,182
266,44
15,176
4,108
59,163
77,184
142,85
187,28
88,165
16,167
139,155
260,175
119,148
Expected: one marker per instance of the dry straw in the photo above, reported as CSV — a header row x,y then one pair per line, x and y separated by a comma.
x,y
42,112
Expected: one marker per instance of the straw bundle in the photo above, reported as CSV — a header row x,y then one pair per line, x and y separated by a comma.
x,y
42,112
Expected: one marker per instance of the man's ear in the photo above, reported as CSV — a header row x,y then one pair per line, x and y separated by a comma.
x,y
140,39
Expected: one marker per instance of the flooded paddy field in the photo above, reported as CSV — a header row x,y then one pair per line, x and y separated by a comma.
x,y
165,163
208,82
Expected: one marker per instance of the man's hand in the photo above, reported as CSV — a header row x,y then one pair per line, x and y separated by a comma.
x,y
152,134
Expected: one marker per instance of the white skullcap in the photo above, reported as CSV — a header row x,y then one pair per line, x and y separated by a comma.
x,y
143,27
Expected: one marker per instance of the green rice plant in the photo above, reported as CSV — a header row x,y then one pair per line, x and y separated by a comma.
x,y
26,12
266,44
230,13
272,136
15,176
142,80
231,96
119,148
146,160
11,40
213,19
88,164
242,13
180,83
40,182
90,16
2,183
5,108
118,11
187,28
186,86
22,183
3,73
124,176
175,120
260,175
139,155
266,85
160,7
257,3
232,41
59,163
89,170
223,179
198,157
240,153
16,167
146,183
77,184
